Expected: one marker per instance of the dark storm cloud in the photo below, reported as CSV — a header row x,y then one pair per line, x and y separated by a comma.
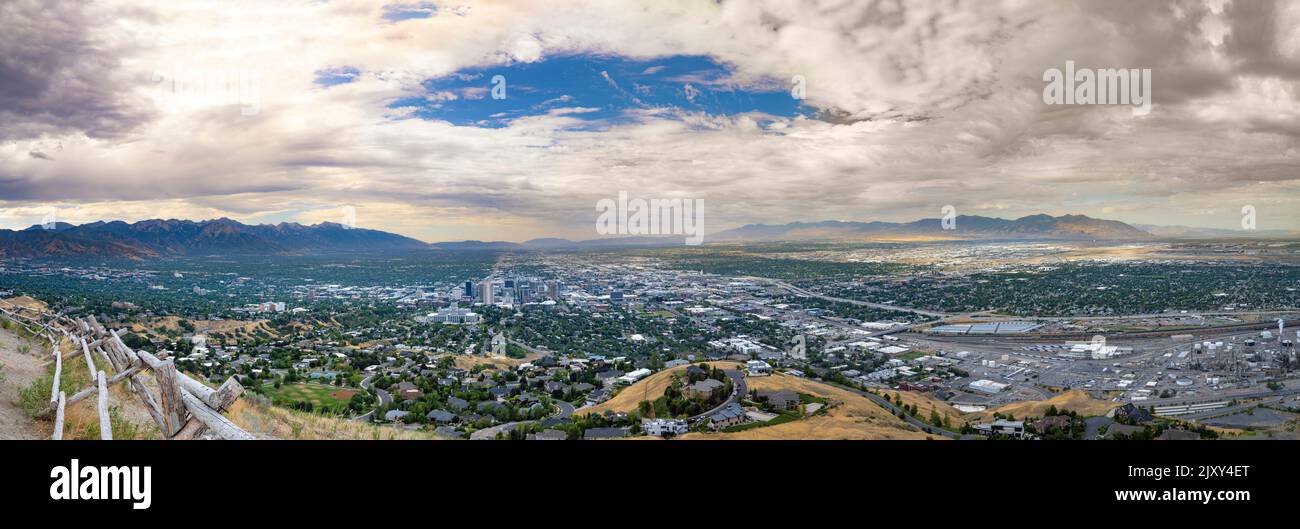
x,y
58,74
1254,43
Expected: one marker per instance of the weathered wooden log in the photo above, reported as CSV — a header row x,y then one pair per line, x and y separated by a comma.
x,y
142,393
107,360
105,424
223,399
126,358
218,400
85,349
208,395
169,397
58,373
93,389
219,425
94,325
58,418
227,394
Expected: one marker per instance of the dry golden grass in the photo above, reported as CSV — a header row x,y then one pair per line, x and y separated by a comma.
x,y
205,326
851,416
648,388
468,361
81,420
271,422
924,402
1075,400
28,303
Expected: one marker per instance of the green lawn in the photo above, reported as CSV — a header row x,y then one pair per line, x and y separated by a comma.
x,y
319,395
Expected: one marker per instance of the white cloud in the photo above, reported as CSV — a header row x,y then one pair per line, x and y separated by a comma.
x,y
931,103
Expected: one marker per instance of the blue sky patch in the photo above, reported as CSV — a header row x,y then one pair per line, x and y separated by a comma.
x,y
605,88
336,76
409,10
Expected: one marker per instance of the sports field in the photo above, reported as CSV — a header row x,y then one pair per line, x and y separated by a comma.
x,y
320,396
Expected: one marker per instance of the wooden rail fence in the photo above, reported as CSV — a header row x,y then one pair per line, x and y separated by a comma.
x,y
184,408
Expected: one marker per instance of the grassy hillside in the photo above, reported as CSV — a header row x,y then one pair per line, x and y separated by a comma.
x,y
850,416
648,388
1075,400
273,422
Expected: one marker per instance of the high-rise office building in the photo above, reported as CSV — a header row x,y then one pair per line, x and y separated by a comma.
x,y
485,292
469,289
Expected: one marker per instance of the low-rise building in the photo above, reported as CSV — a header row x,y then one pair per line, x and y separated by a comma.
x,y
781,400
1002,427
988,387
703,388
758,368
662,427
730,415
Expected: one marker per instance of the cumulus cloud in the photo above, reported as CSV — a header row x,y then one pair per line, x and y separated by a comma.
x,y
918,104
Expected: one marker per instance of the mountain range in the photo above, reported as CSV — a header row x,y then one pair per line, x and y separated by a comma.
x,y
1067,227
160,238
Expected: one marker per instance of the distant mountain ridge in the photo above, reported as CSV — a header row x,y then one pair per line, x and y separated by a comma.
x,y
1065,227
158,238
1191,232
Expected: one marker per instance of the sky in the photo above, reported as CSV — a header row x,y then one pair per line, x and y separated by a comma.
x,y
511,120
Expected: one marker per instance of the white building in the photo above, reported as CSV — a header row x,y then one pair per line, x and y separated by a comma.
x,y
987,386
634,376
662,427
758,368
453,315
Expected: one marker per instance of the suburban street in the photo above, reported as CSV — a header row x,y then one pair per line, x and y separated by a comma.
x,y
738,388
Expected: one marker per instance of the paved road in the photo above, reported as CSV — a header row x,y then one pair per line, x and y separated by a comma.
x,y
384,398
1218,397
489,433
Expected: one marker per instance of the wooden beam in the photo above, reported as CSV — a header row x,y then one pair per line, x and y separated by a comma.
x,y
128,358
105,424
93,389
58,419
58,372
169,397
219,425
85,349
107,360
224,397
95,326
205,393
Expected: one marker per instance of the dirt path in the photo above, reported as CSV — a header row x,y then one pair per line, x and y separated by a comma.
x,y
19,371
